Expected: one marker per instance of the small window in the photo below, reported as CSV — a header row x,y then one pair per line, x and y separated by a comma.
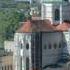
x,y
57,14
55,46
49,46
27,46
45,46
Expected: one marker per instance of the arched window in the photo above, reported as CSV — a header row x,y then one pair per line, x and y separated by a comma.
x,y
27,46
57,14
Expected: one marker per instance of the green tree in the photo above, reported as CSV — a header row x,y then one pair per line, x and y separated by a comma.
x,y
10,18
9,22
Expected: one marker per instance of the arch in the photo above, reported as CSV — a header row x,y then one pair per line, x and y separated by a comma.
x,y
57,14
27,46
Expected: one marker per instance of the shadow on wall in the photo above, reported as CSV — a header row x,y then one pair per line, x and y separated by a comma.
x,y
64,56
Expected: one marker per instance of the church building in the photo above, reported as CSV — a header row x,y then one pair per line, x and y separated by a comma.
x,y
41,43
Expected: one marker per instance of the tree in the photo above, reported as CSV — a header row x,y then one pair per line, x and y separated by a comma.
x,y
9,20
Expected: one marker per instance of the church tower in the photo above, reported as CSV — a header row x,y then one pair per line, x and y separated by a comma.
x,y
55,10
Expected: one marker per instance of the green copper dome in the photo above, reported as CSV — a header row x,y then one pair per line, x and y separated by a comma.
x,y
52,1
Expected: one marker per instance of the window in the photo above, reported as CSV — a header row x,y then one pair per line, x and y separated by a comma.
x,y
57,14
27,46
55,46
27,63
49,46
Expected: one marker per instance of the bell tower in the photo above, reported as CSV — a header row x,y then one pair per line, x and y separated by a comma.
x,y
54,10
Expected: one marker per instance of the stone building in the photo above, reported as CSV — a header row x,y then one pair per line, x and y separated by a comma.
x,y
39,44
44,42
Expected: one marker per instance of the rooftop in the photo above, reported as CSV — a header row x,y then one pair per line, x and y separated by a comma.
x,y
42,26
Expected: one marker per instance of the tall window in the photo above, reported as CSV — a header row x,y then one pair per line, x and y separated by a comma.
x,y
27,63
57,14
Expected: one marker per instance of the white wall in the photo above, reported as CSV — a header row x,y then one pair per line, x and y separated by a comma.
x,y
22,38
67,40
9,46
46,11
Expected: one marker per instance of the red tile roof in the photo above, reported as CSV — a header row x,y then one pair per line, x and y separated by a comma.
x,y
42,25
63,27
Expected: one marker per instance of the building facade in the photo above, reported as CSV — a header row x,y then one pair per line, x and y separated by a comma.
x,y
6,61
53,10
39,45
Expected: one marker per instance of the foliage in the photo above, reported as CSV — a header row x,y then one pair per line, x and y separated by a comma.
x,y
9,20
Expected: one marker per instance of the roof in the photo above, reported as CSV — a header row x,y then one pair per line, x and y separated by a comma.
x,y
42,26
36,26
63,27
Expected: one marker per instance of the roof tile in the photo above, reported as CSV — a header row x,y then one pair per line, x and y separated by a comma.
x,y
42,25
